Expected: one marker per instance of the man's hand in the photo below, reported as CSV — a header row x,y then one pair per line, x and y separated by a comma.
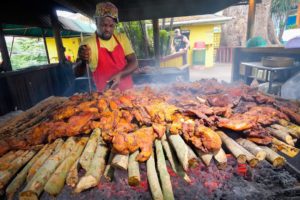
x,y
116,80
84,52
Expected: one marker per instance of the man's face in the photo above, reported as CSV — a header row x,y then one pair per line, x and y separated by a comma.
x,y
177,32
105,27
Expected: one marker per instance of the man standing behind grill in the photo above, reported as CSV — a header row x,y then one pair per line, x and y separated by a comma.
x,y
180,42
109,55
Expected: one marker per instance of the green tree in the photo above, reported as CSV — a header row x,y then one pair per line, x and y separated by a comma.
x,y
27,52
280,10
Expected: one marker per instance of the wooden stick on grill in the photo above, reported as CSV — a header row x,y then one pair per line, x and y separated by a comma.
x,y
134,177
6,160
258,152
21,177
233,147
273,157
163,172
153,180
221,159
56,182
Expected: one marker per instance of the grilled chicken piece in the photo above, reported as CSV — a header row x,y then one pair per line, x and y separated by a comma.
x,y
238,122
140,139
292,115
266,115
201,137
64,113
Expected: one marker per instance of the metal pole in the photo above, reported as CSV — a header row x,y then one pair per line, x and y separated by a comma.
x,y
251,19
156,41
12,45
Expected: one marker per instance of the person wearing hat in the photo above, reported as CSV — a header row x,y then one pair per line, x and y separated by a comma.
x,y
109,55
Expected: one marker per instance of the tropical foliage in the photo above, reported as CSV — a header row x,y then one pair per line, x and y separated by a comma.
x,y
280,10
26,52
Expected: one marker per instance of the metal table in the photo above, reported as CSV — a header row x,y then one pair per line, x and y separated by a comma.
x,y
270,71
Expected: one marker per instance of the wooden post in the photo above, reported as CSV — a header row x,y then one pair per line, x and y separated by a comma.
x,y
251,19
58,40
298,16
4,52
156,41
45,44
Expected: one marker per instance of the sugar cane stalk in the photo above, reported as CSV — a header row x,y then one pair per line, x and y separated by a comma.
x,y
181,150
120,161
109,170
285,148
96,168
134,177
40,161
153,180
233,147
57,180
221,159
281,135
36,185
163,172
273,157
6,175
21,177
285,129
89,151
205,157
72,178
177,168
258,152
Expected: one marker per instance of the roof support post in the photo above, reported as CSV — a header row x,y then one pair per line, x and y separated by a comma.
x,y
45,44
58,40
4,52
156,41
298,16
251,19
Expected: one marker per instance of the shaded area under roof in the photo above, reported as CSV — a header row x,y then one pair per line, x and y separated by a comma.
x,y
36,12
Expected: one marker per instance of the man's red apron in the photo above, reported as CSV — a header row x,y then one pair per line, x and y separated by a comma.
x,y
109,64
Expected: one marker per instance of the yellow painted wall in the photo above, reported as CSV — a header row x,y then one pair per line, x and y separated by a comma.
x,y
71,45
202,33
175,62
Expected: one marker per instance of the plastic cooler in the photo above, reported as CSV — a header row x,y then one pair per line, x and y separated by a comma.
x,y
199,53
